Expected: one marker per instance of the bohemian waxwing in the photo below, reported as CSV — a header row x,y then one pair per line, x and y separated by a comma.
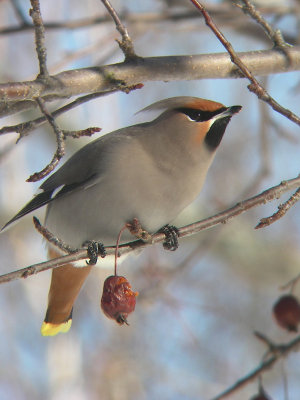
x,y
150,171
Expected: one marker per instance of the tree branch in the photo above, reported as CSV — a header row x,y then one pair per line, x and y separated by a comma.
x,y
224,12
282,210
60,140
126,44
151,69
278,352
24,128
254,86
274,35
188,230
35,13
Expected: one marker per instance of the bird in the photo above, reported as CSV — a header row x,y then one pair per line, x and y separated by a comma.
x,y
150,171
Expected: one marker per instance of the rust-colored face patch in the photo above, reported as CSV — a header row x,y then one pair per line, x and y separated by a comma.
x,y
204,105
201,131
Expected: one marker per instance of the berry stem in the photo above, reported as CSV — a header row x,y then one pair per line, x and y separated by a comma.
x,y
117,246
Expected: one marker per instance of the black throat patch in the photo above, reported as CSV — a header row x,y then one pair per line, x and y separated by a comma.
x,y
215,134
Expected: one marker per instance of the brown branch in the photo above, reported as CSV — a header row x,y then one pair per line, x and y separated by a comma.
x,y
220,218
35,13
274,35
83,132
291,283
282,210
126,44
51,238
254,86
220,11
60,140
278,352
151,69
24,128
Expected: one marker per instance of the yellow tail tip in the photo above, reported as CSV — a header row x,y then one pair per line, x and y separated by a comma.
x,y
48,329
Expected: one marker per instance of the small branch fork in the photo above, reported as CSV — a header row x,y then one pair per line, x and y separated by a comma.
x,y
220,218
274,353
254,86
274,34
60,150
126,45
60,139
35,13
23,129
282,210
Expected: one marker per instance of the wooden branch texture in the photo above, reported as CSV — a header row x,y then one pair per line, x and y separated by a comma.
x,y
220,218
170,68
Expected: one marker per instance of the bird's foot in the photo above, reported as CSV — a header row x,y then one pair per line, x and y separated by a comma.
x,y
172,234
94,249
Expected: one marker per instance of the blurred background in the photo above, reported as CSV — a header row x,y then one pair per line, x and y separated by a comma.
x,y
191,335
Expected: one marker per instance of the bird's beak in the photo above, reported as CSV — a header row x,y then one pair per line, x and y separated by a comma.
x,y
233,110
230,111
227,113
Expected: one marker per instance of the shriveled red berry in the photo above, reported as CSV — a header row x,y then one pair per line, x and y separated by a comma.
x,y
287,312
118,300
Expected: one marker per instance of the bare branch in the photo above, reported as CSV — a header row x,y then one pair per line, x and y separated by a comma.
x,y
126,44
151,69
83,132
254,86
274,35
282,210
224,12
279,351
24,128
51,238
35,13
60,150
220,218
291,283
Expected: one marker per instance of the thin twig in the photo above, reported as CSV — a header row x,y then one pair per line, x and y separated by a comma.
x,y
254,86
83,132
291,283
35,13
24,128
272,347
51,238
221,11
152,69
282,210
274,35
126,44
220,218
60,150
281,351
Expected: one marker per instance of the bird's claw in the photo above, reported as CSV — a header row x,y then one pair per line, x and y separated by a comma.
x,y
172,234
94,249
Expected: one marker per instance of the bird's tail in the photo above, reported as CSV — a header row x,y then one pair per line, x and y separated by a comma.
x,y
66,282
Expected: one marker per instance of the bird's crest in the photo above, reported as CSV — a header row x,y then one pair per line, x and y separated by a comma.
x,y
184,101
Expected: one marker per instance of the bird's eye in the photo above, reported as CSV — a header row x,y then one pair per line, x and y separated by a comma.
x,y
198,115
192,114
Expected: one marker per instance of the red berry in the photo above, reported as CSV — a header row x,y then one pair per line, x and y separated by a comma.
x,y
118,300
287,312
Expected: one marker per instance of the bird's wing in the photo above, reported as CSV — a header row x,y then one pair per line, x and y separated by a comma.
x,y
80,170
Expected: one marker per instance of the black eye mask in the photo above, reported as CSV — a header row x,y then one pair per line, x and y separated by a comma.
x,y
198,115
